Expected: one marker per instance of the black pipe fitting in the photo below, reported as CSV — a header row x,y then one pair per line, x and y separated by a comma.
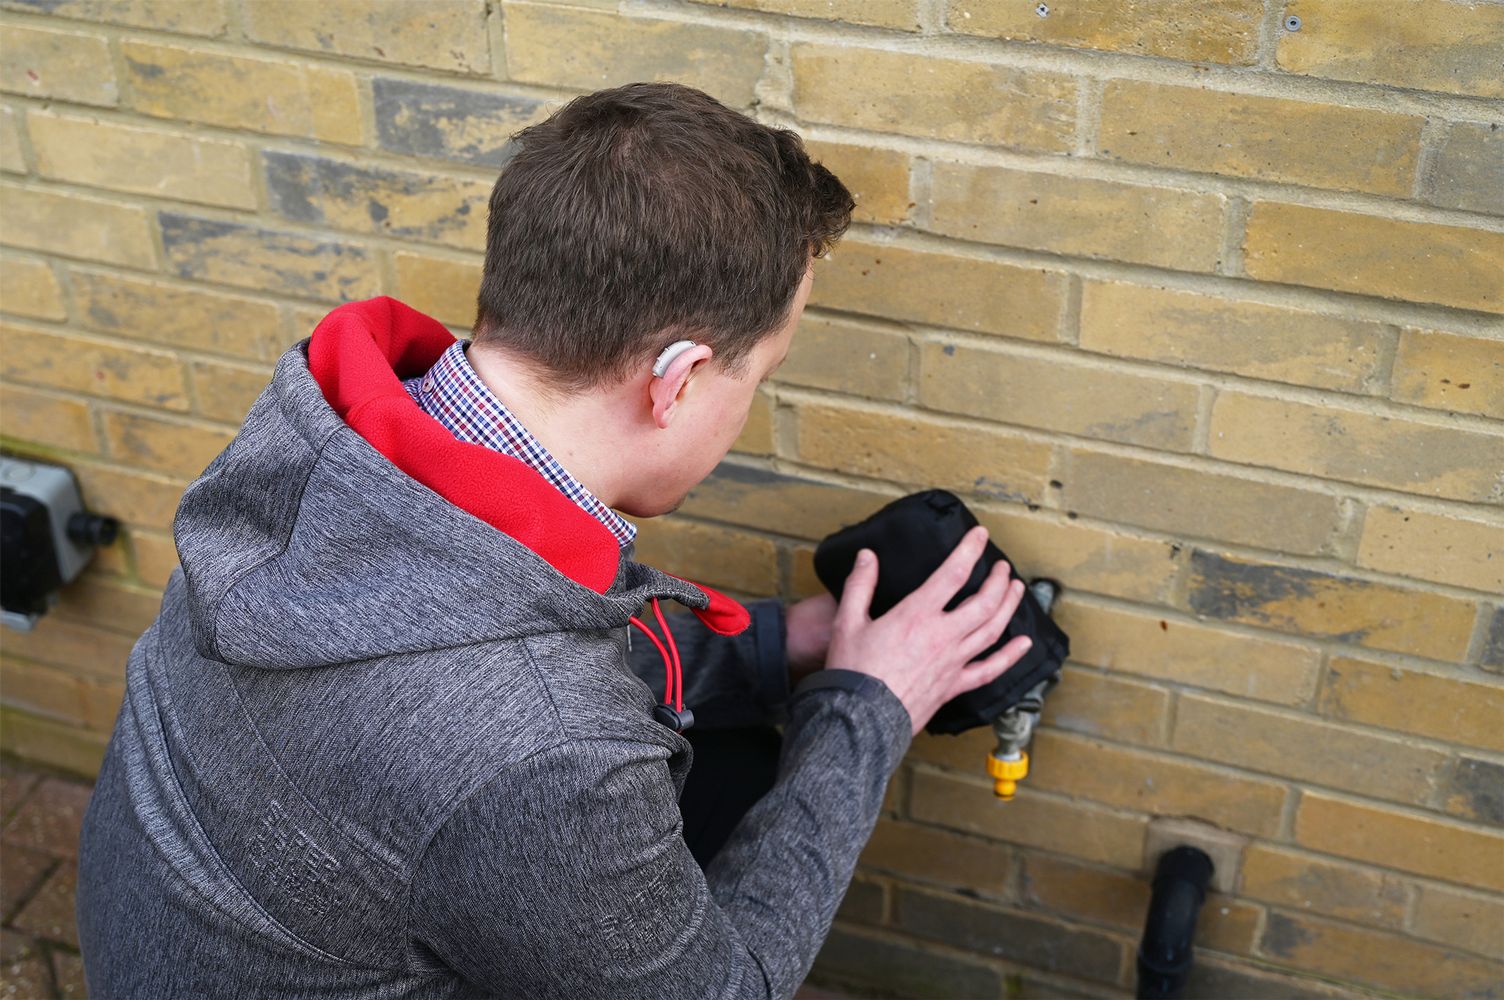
x,y
1164,954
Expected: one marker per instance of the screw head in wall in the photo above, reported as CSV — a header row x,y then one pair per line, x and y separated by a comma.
x,y
1292,23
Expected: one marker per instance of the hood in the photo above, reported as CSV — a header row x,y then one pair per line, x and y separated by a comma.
x,y
344,523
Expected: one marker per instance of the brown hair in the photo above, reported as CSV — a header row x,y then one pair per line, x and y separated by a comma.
x,y
645,214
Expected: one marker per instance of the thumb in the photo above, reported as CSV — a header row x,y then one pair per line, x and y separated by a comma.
x,y
856,597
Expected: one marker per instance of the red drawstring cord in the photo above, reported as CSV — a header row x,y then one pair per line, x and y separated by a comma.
x,y
673,649
673,670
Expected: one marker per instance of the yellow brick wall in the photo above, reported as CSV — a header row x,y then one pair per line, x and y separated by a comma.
x,y
1201,313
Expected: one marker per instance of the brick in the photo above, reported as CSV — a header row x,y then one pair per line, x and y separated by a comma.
x,y
1078,216
1450,372
1079,829
1268,138
1460,919
1225,335
48,420
774,501
940,289
16,782
850,956
28,976
203,17
172,315
1455,550
442,287
1468,169
930,854
1306,749
168,446
253,257
1373,255
1388,960
75,225
50,913
1193,503
857,358
920,452
757,434
865,902
398,203
1304,882
54,744
1132,779
588,50
155,557
900,14
276,96
29,288
58,65
95,367
1428,45
84,150
21,873
924,95
1008,934
717,556
1327,606
878,179
12,160
1210,978
1413,456
1106,706
471,126
1053,393
224,391
53,693
437,34
1083,557
81,648
1493,641
110,604
1475,790
1411,842
1225,32
1445,707
68,971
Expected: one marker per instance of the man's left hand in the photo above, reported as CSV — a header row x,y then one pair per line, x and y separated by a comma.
x,y
808,623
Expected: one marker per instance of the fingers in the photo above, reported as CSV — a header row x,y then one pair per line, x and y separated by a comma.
x,y
979,608
942,585
856,597
975,675
988,631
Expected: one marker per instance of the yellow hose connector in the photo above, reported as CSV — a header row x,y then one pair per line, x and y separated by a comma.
x,y
1006,774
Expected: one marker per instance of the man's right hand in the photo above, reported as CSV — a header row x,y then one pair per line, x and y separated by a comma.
x,y
918,649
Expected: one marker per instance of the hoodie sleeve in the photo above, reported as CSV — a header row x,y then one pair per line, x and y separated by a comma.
x,y
567,875
740,680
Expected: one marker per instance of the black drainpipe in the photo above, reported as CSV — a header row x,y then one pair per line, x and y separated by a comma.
x,y
1164,955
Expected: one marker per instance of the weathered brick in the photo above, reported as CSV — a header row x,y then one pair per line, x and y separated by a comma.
x,y
1432,458
924,95
29,288
1131,779
437,34
11,158
1082,556
1374,255
282,262
930,854
84,150
775,501
878,179
202,17
588,50
111,604
1493,640
863,359
850,956
1304,882
1211,978
154,557
1450,372
940,289
1452,708
1468,169
1103,705
75,225
721,557
900,14
54,744
1412,842
1225,335
1241,135
1078,216
1455,550
922,452
1057,394
1261,668
471,126
135,497
1460,919
96,367
1197,503
442,287
398,203
153,310
1428,45
1009,934
1324,605
58,65
1226,32
81,648
225,392
1475,790
46,691
1305,748
1394,962
46,419
168,446
277,96
757,435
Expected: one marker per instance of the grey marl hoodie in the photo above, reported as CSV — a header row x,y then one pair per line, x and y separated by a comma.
x,y
374,746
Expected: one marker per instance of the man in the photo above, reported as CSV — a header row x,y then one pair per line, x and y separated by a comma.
x,y
386,738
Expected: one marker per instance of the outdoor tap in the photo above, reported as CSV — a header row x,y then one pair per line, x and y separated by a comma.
x,y
1008,764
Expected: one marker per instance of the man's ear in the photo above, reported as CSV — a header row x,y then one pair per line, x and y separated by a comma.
x,y
665,390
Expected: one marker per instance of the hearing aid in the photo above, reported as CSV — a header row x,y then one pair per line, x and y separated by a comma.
x,y
668,354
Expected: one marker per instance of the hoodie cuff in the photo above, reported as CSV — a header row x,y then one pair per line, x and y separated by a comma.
x,y
770,654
